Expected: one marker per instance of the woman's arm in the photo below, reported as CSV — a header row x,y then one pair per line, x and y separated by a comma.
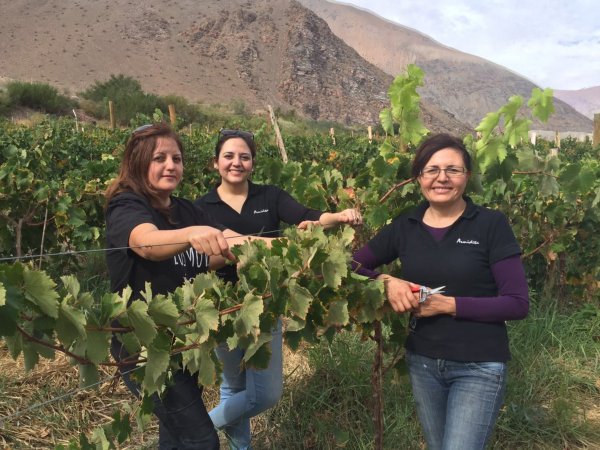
x,y
328,220
156,245
512,302
398,292
234,238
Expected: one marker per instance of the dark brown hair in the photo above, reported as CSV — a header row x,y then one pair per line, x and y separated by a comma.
x,y
133,172
246,136
434,144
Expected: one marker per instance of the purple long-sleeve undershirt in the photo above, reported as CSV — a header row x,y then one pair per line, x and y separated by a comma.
x,y
511,303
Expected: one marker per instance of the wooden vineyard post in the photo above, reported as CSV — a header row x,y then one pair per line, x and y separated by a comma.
x,y
280,143
596,135
332,134
172,115
370,131
111,115
557,139
533,137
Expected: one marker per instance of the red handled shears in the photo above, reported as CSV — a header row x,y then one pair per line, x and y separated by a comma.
x,y
425,292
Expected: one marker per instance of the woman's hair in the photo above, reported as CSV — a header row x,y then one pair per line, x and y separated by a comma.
x,y
246,136
434,144
133,172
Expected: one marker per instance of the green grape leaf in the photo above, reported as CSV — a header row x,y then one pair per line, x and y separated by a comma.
x,y
335,268
30,356
247,320
99,438
121,426
373,299
571,173
39,289
15,345
337,315
207,318
70,324
511,108
587,179
130,342
207,373
143,325
548,186
516,133
71,285
156,367
528,160
295,324
541,103
258,353
300,299
387,121
88,375
487,125
163,311
97,346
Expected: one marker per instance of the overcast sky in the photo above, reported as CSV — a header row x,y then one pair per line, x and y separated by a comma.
x,y
554,43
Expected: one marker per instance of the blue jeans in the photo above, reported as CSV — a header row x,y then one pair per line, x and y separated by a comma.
x,y
246,393
183,422
457,402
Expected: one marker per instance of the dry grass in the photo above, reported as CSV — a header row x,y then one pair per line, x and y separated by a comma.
x,y
26,424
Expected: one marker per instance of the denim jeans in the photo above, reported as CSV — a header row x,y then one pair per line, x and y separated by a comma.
x,y
183,422
457,402
246,393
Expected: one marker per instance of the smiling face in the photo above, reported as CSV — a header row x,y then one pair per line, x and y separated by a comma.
x,y
234,162
442,190
166,168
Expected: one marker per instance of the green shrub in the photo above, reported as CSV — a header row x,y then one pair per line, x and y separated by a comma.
x,y
4,103
116,87
40,96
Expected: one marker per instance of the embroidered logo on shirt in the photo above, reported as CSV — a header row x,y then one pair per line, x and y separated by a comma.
x,y
470,242
261,211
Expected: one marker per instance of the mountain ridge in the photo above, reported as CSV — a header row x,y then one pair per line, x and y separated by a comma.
x,y
466,85
258,52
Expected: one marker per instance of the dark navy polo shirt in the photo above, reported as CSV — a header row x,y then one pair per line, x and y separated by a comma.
x,y
262,213
462,262
127,210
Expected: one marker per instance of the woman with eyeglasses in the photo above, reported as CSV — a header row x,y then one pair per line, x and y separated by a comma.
x,y
457,347
162,240
252,209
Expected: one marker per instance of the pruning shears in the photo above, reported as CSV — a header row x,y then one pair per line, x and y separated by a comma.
x,y
425,292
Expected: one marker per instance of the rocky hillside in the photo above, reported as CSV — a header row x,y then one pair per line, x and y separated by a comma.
x,y
261,52
463,84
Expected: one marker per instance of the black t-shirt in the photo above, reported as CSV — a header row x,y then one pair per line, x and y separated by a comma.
x,y
128,210
462,262
262,213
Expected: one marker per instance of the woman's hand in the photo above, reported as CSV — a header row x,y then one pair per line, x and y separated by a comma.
x,y
399,293
435,305
210,241
306,223
349,216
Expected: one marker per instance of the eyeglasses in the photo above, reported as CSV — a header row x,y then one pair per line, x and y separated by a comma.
x,y
142,128
238,133
451,172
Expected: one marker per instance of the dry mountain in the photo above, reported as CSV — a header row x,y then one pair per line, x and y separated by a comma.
x,y
262,52
586,101
463,84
